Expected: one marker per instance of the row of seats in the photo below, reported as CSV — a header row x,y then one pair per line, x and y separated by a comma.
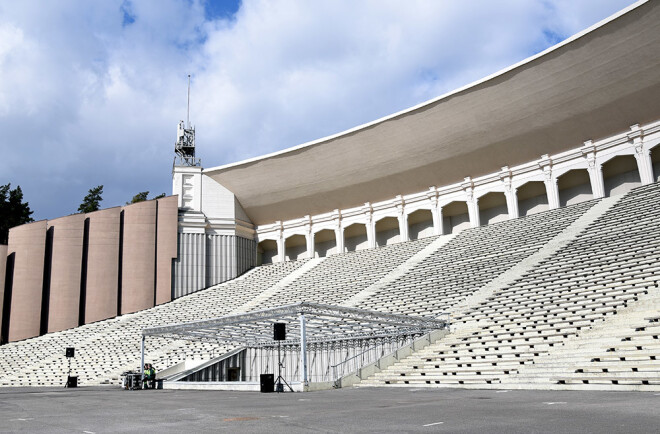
x,y
605,269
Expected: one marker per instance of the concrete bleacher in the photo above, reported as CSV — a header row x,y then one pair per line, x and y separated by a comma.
x,y
612,266
107,348
605,263
469,261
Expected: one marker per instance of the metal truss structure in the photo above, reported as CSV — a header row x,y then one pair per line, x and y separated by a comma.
x,y
306,323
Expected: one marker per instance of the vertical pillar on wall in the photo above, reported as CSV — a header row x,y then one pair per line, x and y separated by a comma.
x,y
595,170
436,211
472,203
309,237
403,219
339,231
370,225
280,244
550,182
642,156
510,193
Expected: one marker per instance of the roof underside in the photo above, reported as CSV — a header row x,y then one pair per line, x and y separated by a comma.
x,y
322,323
594,86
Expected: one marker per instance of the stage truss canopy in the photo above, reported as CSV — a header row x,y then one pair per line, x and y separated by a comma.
x,y
307,322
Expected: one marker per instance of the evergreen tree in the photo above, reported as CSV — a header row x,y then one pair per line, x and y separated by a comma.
x,y
140,197
13,211
92,200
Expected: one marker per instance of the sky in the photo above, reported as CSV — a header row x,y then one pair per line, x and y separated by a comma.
x,y
91,91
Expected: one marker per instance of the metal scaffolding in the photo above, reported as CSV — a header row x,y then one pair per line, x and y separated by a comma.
x,y
307,323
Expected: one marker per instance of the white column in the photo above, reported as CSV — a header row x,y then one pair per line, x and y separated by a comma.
x,y
370,224
309,237
403,220
644,162
303,351
472,203
281,252
339,231
595,170
551,189
436,211
510,193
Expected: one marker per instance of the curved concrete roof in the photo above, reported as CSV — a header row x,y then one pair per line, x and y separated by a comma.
x,y
592,85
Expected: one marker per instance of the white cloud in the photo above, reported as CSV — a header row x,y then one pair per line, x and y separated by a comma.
x,y
88,97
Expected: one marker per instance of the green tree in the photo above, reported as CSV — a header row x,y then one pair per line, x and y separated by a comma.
x,y
92,200
13,211
142,196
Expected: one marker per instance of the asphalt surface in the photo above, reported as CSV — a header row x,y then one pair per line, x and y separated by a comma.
x,y
110,409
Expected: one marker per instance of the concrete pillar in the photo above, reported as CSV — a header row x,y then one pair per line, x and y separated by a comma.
x,y
403,220
436,212
64,304
510,193
551,189
281,248
28,243
594,169
138,276
596,177
339,231
472,202
370,225
102,265
309,238
3,267
643,158
166,242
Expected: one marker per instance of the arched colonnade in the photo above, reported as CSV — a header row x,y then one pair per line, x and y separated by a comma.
x,y
592,171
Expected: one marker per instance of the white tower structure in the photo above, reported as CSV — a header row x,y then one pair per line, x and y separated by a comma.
x,y
215,237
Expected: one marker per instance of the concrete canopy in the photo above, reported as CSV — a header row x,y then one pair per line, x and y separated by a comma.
x,y
592,85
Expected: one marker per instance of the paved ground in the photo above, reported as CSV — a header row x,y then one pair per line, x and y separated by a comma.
x,y
110,409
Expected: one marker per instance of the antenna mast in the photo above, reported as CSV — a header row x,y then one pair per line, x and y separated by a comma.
x,y
184,148
188,115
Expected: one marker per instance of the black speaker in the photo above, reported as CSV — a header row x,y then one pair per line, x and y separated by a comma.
x,y
279,331
267,383
72,381
70,352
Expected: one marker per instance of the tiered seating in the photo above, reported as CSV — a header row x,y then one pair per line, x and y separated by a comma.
x,y
106,348
469,261
340,277
606,268
629,355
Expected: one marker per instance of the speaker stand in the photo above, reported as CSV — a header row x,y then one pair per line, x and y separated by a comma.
x,y
278,382
66,383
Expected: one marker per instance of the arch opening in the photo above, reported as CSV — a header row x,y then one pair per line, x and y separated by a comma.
x,y
387,231
455,217
574,187
492,208
655,161
266,252
325,243
295,247
355,237
532,198
420,224
620,175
